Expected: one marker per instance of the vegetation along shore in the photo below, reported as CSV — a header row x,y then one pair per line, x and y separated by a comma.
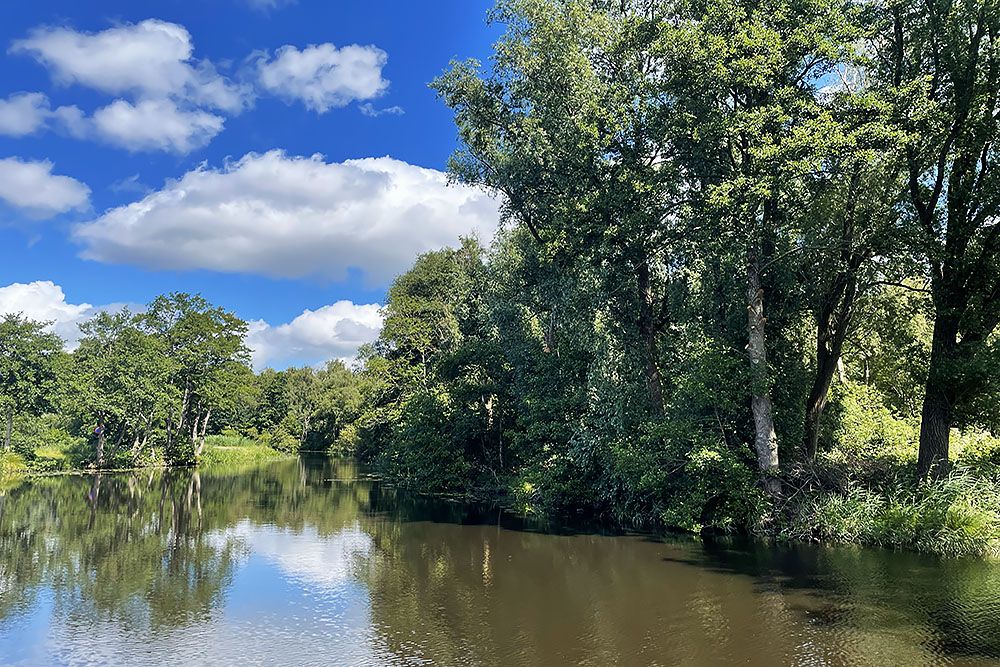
x,y
748,280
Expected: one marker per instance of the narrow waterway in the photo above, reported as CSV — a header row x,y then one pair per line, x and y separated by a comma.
x,y
304,562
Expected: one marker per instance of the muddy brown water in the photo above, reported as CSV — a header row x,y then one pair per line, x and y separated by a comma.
x,y
307,562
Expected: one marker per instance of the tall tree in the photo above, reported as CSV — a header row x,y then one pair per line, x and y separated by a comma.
x,y
849,229
27,368
747,75
940,60
120,383
571,128
336,404
203,341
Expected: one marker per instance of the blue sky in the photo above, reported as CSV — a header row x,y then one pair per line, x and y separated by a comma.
x,y
201,146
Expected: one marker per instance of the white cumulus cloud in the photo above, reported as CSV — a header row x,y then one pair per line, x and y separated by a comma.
x,y
31,187
283,216
335,331
150,59
45,301
322,76
155,125
26,113
147,125
23,113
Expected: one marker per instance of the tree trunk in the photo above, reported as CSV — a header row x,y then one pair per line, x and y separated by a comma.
x,y
815,404
195,441
765,439
134,451
198,429
833,319
939,398
831,333
9,430
120,438
100,443
648,331
204,423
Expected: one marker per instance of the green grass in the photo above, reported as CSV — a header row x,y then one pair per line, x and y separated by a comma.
x,y
236,450
955,516
49,458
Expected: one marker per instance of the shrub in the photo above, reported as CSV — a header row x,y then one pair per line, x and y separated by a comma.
x,y
49,459
12,464
976,449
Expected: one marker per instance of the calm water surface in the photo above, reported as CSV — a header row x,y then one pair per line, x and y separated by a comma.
x,y
302,562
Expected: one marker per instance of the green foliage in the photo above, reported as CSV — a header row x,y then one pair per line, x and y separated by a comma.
x,y
428,398
866,442
955,516
12,466
204,342
29,358
978,450
663,168
148,389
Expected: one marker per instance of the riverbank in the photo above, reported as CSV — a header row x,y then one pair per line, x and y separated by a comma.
x,y
219,450
956,516
870,498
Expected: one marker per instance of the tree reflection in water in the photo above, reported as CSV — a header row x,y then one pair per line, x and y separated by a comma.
x,y
304,561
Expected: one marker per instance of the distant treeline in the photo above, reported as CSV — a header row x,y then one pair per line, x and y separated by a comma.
x,y
148,388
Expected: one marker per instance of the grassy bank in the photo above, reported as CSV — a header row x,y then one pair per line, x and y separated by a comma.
x,y
75,457
237,450
958,515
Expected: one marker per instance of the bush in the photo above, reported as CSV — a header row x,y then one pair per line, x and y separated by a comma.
x,y
50,459
48,432
977,449
867,445
12,465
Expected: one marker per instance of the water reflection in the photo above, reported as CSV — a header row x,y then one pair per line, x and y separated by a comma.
x,y
304,562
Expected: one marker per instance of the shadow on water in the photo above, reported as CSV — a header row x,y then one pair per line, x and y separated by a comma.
x,y
311,561
957,600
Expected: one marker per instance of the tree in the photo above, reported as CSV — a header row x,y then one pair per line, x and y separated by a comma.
x,y
301,393
409,382
27,368
337,401
747,76
940,64
570,126
850,231
202,341
121,382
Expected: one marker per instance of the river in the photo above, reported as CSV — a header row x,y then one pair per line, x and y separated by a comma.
x,y
307,562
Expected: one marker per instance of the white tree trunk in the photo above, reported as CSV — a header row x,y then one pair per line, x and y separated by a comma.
x,y
765,439
10,428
